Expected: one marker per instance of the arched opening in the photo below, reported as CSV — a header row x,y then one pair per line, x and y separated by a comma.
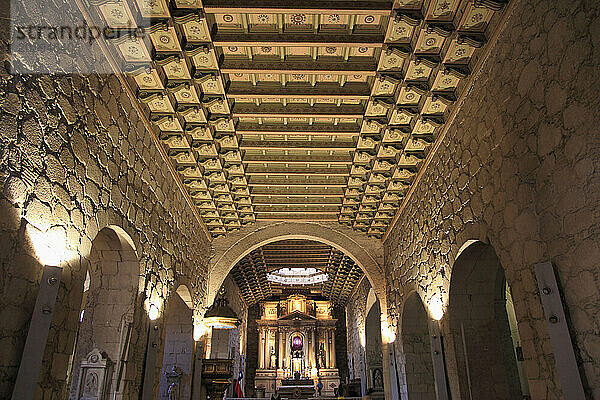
x,y
297,291
373,349
420,383
109,308
483,328
178,343
365,252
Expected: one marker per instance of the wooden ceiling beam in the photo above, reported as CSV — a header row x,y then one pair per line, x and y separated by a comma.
x,y
300,128
297,145
334,159
333,182
365,68
298,110
298,191
355,7
293,132
296,172
302,94
298,40
266,193
295,201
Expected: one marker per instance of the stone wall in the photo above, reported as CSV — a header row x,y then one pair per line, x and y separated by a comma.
x,y
178,346
237,336
251,349
373,348
519,169
341,342
75,157
356,315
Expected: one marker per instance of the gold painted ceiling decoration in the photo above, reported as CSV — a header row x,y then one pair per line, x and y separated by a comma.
x,y
250,273
276,111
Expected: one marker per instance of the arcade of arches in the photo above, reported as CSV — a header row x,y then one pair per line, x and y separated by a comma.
x,y
393,199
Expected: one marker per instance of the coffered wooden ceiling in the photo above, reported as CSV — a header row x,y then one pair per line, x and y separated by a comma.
x,y
250,273
299,110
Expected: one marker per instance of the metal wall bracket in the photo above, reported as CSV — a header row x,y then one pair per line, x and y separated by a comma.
x,y
35,344
562,346
437,356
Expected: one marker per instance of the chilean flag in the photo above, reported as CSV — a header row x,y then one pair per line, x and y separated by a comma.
x,y
237,388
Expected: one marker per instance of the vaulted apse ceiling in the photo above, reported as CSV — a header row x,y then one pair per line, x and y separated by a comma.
x,y
250,273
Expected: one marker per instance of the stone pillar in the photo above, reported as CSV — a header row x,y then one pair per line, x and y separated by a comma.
x,y
260,348
270,343
332,348
326,335
288,358
314,348
280,350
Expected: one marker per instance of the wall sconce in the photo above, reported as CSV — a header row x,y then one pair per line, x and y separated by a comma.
x,y
362,337
389,335
436,307
51,249
153,305
199,331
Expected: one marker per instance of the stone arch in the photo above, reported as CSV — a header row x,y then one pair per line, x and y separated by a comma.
x,y
371,299
177,342
479,326
416,346
366,252
373,343
111,310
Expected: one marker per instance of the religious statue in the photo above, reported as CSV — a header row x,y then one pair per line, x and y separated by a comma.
x,y
273,363
173,374
173,390
322,355
377,379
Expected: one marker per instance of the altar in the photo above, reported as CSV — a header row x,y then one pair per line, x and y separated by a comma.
x,y
296,347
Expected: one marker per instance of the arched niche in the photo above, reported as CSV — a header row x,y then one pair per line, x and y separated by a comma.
x,y
178,345
111,312
416,345
373,344
366,252
483,327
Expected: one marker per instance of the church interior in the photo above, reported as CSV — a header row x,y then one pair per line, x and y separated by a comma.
x,y
350,199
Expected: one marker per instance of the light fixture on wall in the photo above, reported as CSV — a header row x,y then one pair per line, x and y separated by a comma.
x,y
389,334
220,315
153,303
51,249
436,307
199,330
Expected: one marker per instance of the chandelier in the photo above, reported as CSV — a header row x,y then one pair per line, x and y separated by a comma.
x,y
297,276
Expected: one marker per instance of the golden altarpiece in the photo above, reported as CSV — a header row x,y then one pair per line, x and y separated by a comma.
x,y
296,345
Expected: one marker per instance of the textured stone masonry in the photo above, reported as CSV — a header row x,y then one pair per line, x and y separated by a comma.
x,y
76,157
519,169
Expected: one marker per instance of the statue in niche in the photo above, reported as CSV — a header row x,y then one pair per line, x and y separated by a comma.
x,y
91,384
377,379
173,375
322,355
273,363
173,391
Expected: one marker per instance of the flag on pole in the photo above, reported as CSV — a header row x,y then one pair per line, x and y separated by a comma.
x,y
237,390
